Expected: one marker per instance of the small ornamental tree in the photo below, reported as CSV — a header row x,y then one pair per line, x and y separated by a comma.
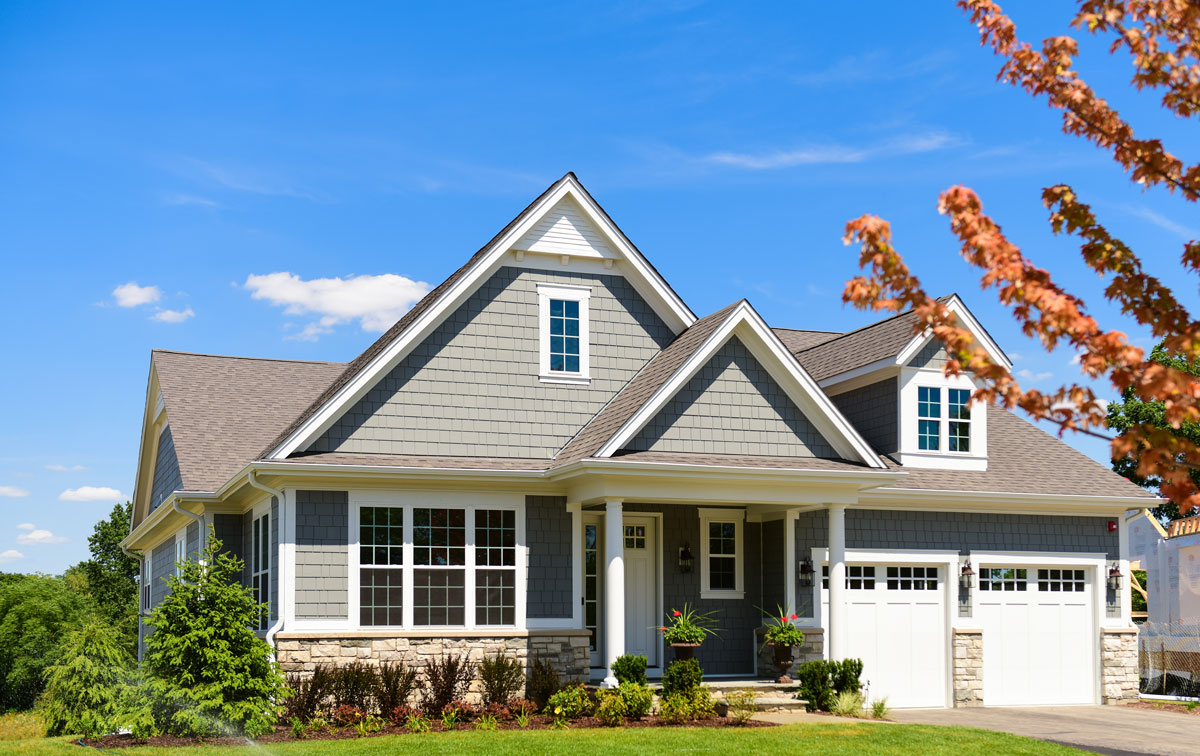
x,y
209,673
1162,38
83,689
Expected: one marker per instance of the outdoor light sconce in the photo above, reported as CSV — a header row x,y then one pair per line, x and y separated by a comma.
x,y
685,559
1114,577
806,573
966,578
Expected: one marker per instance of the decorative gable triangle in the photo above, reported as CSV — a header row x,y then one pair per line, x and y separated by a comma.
x,y
732,406
566,230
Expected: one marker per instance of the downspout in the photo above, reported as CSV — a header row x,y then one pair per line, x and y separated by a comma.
x,y
141,560
277,625
198,518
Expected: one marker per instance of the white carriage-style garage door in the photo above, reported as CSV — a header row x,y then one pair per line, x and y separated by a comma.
x,y
897,624
1038,635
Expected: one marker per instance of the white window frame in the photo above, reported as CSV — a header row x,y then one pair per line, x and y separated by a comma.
x,y
410,500
570,293
257,570
970,419
144,587
738,518
180,550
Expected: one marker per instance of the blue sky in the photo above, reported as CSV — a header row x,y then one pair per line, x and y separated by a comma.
x,y
191,147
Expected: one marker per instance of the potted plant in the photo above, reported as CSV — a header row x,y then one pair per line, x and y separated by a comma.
x,y
783,635
686,629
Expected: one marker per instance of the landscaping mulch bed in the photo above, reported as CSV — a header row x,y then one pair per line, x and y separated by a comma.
x,y
283,733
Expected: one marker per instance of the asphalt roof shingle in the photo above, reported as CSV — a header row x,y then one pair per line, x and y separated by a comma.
x,y
223,409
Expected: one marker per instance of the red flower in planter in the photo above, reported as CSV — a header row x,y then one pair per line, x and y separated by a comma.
x,y
663,629
676,613
794,616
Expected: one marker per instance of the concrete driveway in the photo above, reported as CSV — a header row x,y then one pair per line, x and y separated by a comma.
x,y
1111,730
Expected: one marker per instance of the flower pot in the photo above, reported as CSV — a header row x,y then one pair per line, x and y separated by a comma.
x,y
783,662
685,650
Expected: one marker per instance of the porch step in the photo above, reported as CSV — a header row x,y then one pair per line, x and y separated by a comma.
x,y
771,696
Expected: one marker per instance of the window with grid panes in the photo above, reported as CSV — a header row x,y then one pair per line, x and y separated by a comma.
x,y
722,556
260,564
564,336
858,577
1061,581
381,565
439,572
929,415
1003,579
958,408
912,578
495,566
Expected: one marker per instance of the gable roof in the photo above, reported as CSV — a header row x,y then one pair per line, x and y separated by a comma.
x,y
667,372
798,339
1023,458
382,354
892,338
222,410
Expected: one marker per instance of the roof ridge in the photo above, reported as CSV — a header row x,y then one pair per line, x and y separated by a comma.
x,y
242,357
865,327
805,330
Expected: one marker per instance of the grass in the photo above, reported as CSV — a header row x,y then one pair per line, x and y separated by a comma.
x,y
838,739
21,725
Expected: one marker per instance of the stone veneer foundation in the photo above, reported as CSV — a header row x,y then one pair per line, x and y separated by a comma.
x,y
813,648
567,650
968,668
1119,665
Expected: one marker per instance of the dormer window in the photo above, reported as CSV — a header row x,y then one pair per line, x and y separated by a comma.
x,y
563,318
929,423
960,420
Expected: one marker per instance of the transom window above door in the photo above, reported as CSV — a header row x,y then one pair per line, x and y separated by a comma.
x,y
563,323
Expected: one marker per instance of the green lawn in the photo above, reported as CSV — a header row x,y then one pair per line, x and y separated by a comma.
x,y
835,739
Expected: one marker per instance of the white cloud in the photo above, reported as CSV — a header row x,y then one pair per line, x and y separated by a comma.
x,y
173,316
26,526
65,468
189,199
835,153
12,492
91,493
375,301
1029,375
132,295
39,536
11,555
1163,222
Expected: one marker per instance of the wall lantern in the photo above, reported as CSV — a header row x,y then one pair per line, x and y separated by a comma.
x,y
1114,577
806,573
685,559
966,578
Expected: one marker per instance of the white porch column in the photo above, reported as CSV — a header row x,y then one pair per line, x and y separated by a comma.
x,y
614,587
837,581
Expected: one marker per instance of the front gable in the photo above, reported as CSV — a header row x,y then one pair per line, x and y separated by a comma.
x,y
732,406
472,388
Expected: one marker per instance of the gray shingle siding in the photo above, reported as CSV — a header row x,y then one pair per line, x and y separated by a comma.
x,y
192,542
964,532
773,567
732,406
548,531
162,565
932,355
167,478
472,388
228,530
322,554
872,410
733,652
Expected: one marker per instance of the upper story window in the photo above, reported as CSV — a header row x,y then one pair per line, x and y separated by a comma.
x,y
563,325
959,413
929,412
180,552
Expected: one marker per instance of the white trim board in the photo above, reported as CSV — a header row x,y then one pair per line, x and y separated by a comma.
x,y
637,271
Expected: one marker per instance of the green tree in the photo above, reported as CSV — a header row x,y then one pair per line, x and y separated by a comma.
x,y
1135,410
112,575
84,687
36,611
209,672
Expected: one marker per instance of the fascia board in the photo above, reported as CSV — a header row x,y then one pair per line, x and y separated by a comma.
x,y
977,330
908,497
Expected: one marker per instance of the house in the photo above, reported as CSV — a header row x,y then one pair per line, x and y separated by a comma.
x,y
551,450
1170,637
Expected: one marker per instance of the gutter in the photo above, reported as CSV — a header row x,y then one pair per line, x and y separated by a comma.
x,y
141,560
277,625
198,518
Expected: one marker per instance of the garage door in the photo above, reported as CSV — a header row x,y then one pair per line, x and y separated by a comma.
x,y
896,623
1038,635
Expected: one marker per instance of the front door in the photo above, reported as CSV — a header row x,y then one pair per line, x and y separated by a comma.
x,y
642,603
641,589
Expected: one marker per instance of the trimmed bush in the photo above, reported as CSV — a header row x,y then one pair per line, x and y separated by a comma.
x,y
684,706
502,678
394,686
742,705
572,702
446,680
630,669
821,681
612,709
682,676
83,689
639,699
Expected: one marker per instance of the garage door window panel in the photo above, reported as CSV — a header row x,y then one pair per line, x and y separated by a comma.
x,y
903,578
1003,579
1061,581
